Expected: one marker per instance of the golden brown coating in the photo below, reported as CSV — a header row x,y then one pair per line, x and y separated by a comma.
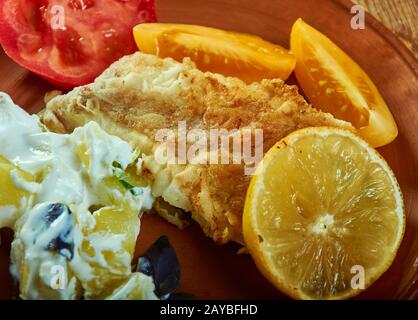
x,y
140,94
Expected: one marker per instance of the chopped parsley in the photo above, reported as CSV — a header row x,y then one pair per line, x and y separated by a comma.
x,y
119,173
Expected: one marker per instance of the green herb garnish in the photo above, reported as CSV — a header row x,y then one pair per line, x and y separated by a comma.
x,y
121,175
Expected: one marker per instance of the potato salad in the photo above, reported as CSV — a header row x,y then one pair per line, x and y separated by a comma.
x,y
74,203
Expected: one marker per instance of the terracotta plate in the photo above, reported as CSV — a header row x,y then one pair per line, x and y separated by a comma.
x,y
213,272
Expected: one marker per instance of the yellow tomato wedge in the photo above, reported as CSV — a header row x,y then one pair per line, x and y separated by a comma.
x,y
247,57
324,214
333,82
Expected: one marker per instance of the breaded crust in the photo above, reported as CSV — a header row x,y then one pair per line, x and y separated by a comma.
x,y
140,94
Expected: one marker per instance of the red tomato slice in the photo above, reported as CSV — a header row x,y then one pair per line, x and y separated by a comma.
x,y
70,42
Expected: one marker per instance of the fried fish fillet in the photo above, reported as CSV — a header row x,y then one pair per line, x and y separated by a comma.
x,y
141,94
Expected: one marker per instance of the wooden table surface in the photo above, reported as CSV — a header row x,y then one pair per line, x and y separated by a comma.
x,y
400,16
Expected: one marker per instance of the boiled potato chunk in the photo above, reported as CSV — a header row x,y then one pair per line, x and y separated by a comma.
x,y
111,247
15,192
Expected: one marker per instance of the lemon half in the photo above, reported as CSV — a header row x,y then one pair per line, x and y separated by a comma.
x,y
324,214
